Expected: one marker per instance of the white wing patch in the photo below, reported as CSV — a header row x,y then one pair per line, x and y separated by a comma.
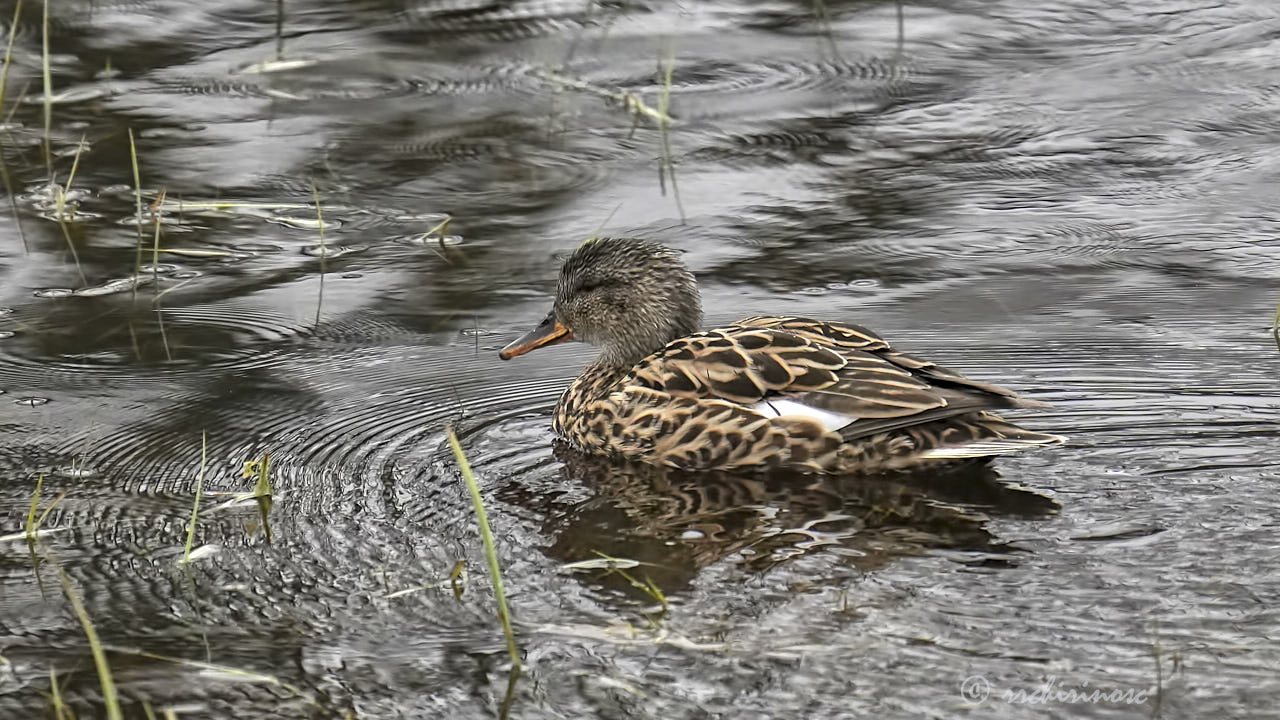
x,y
778,407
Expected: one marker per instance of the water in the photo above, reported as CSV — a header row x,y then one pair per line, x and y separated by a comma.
x,y
1077,200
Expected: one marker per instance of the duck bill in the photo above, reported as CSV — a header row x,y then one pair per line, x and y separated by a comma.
x,y
548,332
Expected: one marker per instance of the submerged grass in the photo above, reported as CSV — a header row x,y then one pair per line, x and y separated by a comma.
x,y
60,709
324,251
629,100
183,205
109,696
664,134
187,555
824,20
47,75
8,53
1275,327
279,30
195,506
137,199
233,672
33,525
60,200
647,586
4,95
902,26
458,579
490,551
261,490
155,275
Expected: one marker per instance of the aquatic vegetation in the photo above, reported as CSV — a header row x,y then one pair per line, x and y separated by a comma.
x,y
629,101
440,233
215,669
4,95
647,586
63,210
137,199
495,571
1275,326
105,680
60,709
47,76
261,493
824,21
632,102
667,165
34,524
315,195
195,505
490,550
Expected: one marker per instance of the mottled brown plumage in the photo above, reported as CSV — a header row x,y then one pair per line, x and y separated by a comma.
x,y
764,392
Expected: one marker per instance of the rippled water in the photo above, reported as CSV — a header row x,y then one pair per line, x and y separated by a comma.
x,y
1077,199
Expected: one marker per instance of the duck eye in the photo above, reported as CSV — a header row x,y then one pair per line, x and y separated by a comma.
x,y
590,285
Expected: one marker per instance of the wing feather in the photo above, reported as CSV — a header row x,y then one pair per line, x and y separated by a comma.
x,y
839,369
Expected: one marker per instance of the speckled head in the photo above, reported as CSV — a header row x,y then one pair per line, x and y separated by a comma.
x,y
629,297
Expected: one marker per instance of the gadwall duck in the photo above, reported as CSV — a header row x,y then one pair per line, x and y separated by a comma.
x,y
765,392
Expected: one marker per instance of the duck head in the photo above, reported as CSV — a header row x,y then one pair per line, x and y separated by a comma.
x,y
626,296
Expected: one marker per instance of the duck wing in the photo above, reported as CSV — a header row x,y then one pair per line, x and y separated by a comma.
x,y
846,377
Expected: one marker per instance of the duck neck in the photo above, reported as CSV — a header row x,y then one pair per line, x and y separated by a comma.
x,y
619,355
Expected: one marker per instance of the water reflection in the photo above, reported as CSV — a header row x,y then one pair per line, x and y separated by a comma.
x,y
676,523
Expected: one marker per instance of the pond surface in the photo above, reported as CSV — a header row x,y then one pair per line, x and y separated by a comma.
x,y
1077,199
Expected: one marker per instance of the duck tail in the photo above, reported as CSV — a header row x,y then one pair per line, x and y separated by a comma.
x,y
985,435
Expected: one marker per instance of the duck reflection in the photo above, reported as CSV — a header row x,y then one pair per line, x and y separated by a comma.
x,y
676,523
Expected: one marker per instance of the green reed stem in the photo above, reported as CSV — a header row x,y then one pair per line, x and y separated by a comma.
x,y
60,709
33,525
31,528
137,200
262,490
155,276
8,53
490,551
61,197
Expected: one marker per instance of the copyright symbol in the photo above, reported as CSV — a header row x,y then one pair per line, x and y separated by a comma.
x,y
975,689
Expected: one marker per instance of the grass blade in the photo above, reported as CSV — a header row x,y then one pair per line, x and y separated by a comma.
x,y
48,92
315,195
195,507
60,194
8,53
109,696
155,274
261,490
664,133
32,526
137,199
490,551
60,709
4,95
1275,327
279,29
